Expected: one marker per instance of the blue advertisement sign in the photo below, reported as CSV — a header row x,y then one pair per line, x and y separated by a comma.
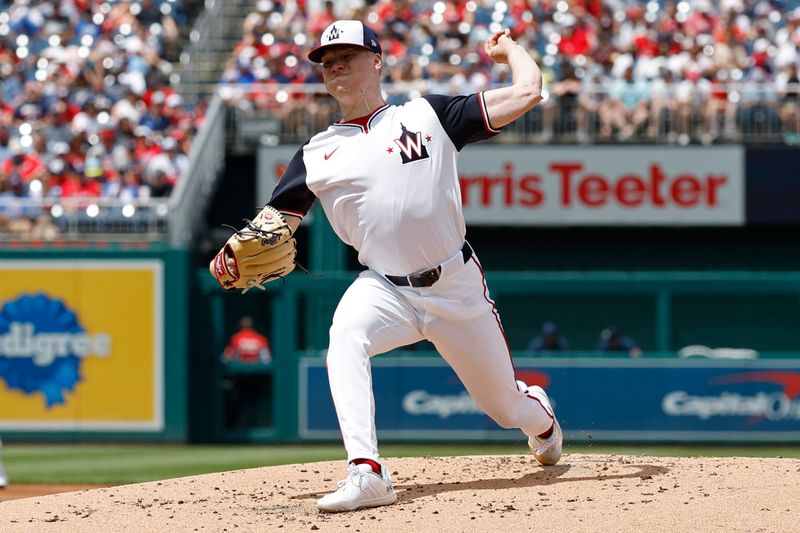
x,y
637,400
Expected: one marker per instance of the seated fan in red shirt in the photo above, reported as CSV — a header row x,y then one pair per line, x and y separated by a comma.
x,y
247,345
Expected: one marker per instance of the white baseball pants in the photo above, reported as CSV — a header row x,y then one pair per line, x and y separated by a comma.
x,y
457,316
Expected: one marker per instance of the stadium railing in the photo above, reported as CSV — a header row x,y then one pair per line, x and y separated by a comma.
x,y
273,114
188,202
174,219
666,311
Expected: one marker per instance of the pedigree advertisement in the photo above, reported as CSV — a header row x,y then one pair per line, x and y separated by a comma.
x,y
81,345
630,185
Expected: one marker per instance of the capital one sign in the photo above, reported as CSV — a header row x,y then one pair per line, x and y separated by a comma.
x,y
632,185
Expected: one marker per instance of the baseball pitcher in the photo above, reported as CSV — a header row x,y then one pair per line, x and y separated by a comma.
x,y
387,179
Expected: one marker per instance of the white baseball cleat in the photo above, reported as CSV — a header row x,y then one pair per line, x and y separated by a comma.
x,y
546,451
362,488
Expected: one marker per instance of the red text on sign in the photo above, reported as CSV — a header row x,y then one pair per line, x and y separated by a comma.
x,y
655,188
481,188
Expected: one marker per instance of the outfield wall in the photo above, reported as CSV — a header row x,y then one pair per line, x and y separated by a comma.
x,y
596,400
601,397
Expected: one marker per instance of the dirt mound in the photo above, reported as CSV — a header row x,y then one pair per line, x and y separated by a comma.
x,y
16,491
490,493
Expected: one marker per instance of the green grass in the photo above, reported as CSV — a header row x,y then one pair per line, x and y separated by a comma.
x,y
115,464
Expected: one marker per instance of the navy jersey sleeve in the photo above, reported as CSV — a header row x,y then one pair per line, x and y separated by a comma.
x,y
292,195
464,118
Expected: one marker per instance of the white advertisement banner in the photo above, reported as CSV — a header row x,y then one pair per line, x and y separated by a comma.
x,y
630,185
570,185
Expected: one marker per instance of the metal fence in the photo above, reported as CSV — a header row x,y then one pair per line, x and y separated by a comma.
x,y
678,114
215,32
70,219
190,199
175,219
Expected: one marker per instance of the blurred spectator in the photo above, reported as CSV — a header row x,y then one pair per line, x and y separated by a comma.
x,y
154,117
248,396
691,95
126,187
663,107
27,165
758,112
161,185
627,108
549,340
5,149
322,18
787,84
565,109
611,340
171,162
61,182
720,109
247,345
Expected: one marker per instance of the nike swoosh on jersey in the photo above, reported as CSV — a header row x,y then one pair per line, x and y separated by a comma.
x,y
328,156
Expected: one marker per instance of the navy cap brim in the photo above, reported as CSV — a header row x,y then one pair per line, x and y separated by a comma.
x,y
315,55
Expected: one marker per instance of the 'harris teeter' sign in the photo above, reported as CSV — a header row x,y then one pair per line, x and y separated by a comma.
x,y
603,185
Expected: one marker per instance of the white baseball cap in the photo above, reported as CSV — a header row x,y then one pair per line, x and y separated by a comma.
x,y
351,32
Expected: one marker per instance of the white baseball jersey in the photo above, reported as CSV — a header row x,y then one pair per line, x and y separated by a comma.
x,y
389,186
388,183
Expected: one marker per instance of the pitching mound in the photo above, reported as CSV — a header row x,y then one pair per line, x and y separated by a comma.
x,y
494,493
29,490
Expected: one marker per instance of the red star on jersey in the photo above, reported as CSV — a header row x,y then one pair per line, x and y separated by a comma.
x,y
428,138
390,150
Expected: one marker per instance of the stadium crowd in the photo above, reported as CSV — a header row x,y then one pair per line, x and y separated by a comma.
x,y
86,109
672,71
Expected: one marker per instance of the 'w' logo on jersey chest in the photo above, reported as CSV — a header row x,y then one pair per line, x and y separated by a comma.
x,y
411,145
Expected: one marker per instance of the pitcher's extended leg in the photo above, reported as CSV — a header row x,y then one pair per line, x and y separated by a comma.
x,y
476,350
466,331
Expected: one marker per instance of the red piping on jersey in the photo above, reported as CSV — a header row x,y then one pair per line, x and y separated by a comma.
x,y
543,407
503,332
485,113
292,213
362,122
494,311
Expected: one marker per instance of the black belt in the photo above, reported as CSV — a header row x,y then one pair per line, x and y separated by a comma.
x,y
429,277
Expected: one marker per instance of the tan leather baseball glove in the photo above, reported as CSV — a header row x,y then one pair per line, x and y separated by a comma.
x,y
263,251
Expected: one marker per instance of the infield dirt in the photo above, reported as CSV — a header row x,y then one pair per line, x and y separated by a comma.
x,y
452,494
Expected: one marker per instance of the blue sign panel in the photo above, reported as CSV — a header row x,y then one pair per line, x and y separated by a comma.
x,y
594,399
